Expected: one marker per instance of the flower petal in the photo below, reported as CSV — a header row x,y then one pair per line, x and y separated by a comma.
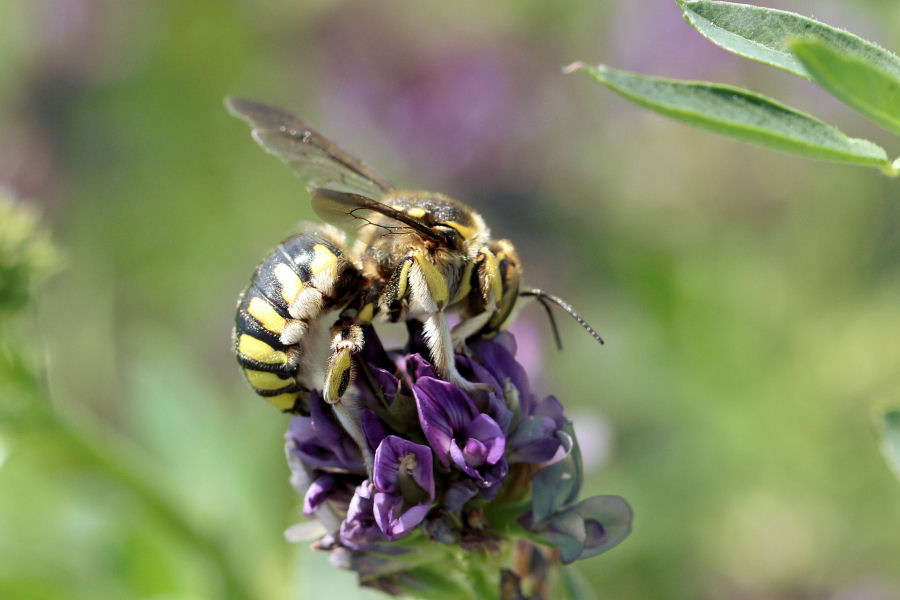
x,y
389,459
502,364
317,493
534,440
359,530
391,521
443,411
488,432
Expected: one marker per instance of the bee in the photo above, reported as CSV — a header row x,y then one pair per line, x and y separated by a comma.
x,y
417,255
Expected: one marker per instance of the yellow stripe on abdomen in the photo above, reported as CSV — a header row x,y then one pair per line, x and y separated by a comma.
x,y
257,350
283,401
291,284
324,260
263,380
263,312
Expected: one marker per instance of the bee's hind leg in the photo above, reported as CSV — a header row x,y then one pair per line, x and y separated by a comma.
x,y
346,340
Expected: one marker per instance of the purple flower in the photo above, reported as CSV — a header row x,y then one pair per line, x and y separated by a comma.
x,y
458,433
319,441
404,482
538,437
498,357
538,433
463,490
318,492
359,531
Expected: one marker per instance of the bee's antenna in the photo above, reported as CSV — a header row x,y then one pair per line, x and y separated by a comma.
x,y
543,297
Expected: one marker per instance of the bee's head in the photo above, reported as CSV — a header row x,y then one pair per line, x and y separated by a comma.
x,y
454,226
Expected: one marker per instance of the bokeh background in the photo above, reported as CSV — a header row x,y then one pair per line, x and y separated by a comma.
x,y
749,300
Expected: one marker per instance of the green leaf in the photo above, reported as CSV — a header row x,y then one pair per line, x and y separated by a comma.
x,y
890,446
861,85
740,114
763,34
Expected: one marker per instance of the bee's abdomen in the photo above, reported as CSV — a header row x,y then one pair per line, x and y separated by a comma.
x,y
304,276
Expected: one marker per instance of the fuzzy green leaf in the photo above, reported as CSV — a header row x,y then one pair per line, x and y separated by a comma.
x,y
740,114
764,34
861,85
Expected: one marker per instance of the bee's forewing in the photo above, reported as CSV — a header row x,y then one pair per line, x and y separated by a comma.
x,y
352,212
314,158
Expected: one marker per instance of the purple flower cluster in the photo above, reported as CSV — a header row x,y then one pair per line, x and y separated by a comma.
x,y
458,468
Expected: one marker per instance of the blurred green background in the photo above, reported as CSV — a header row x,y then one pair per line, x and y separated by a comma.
x,y
749,300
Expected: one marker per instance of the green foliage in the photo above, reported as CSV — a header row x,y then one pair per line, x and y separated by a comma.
x,y
27,257
764,35
862,85
891,443
859,73
740,114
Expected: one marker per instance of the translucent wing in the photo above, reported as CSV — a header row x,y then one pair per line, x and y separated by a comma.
x,y
353,212
314,158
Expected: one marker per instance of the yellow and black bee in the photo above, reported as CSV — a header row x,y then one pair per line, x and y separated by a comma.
x,y
417,254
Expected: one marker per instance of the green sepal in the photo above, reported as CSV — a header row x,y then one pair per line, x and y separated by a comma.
x,y
557,485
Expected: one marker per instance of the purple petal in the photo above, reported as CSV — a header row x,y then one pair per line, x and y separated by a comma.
x,y
378,389
459,492
417,367
443,410
488,432
317,493
549,407
459,459
535,440
493,478
373,352
304,443
473,371
386,381
474,453
327,429
502,364
391,452
451,401
373,429
359,530
330,447
391,521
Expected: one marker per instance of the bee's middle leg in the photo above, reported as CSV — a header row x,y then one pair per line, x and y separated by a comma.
x,y
488,286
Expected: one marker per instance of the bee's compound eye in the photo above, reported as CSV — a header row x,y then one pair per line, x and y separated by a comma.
x,y
447,231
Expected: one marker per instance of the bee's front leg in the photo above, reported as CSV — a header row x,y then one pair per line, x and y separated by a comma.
x,y
425,290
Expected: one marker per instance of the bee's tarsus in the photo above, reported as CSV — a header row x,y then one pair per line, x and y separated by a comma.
x,y
543,297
